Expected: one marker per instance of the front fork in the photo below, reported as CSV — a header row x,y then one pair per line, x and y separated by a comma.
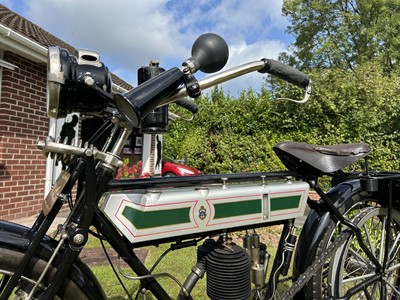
x,y
75,235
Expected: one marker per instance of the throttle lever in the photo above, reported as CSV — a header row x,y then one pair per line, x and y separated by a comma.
x,y
186,104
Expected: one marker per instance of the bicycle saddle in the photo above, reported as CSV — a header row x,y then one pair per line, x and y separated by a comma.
x,y
316,160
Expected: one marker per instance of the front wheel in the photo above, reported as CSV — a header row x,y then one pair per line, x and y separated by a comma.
x,y
8,263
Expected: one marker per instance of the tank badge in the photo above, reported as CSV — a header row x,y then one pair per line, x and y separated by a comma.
x,y
202,213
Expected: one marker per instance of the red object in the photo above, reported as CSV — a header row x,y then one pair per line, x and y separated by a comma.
x,y
173,169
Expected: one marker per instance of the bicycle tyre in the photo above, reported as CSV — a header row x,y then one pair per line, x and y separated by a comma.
x,y
8,263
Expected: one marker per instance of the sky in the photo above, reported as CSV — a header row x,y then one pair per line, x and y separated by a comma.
x,y
130,33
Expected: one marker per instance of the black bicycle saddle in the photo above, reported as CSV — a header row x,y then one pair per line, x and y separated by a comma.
x,y
316,159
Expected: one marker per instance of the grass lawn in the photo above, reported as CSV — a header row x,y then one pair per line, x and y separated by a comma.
x,y
178,263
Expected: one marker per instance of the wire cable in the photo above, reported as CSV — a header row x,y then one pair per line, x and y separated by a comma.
x,y
113,268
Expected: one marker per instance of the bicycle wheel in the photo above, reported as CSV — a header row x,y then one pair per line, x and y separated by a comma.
x,y
352,275
8,262
318,286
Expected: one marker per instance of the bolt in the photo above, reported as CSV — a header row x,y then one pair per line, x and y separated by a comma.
x,y
263,180
89,152
79,239
89,81
224,182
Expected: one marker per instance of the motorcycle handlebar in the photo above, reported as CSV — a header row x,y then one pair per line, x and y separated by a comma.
x,y
163,89
285,72
270,66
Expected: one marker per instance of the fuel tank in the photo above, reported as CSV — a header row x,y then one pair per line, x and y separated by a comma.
x,y
151,214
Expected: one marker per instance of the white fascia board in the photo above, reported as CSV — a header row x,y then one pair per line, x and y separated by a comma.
x,y
13,41
7,65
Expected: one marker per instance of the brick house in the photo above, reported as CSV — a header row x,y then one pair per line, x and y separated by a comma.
x,y
23,118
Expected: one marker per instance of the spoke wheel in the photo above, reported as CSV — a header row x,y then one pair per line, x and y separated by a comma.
x,y
8,263
351,273
319,286
23,288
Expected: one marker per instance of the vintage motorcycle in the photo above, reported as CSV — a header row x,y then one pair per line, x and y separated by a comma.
x,y
348,248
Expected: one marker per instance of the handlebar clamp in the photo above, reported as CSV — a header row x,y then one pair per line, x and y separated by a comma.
x,y
192,86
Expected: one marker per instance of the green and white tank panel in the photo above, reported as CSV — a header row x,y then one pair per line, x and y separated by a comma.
x,y
144,215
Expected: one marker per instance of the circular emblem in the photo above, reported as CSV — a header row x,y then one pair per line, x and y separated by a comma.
x,y
202,213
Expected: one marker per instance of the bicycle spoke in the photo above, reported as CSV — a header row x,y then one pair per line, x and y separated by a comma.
x,y
392,268
375,288
358,278
369,238
382,244
393,288
361,296
352,251
396,245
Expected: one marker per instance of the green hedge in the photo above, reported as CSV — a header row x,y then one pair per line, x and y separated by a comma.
x,y
233,134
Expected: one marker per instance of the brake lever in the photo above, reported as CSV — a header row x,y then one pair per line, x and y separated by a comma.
x,y
307,95
188,105
175,117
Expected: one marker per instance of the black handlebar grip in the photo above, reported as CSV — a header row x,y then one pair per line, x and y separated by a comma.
x,y
285,72
189,105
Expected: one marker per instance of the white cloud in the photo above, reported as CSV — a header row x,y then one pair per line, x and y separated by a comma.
x,y
242,53
125,30
128,34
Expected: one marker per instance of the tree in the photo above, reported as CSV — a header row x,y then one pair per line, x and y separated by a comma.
x,y
349,49
344,33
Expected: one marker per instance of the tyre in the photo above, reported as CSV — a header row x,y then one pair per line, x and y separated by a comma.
x,y
352,275
8,262
169,174
317,287
336,277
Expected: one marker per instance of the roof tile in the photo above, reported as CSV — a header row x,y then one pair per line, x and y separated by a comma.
x,y
34,32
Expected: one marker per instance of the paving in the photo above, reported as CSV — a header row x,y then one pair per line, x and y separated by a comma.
x,y
28,221
95,257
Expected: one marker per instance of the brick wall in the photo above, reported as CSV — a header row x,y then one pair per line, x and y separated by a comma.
x,y
23,121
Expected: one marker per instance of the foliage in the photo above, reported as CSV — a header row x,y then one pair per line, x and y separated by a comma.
x,y
238,134
344,33
349,48
221,123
